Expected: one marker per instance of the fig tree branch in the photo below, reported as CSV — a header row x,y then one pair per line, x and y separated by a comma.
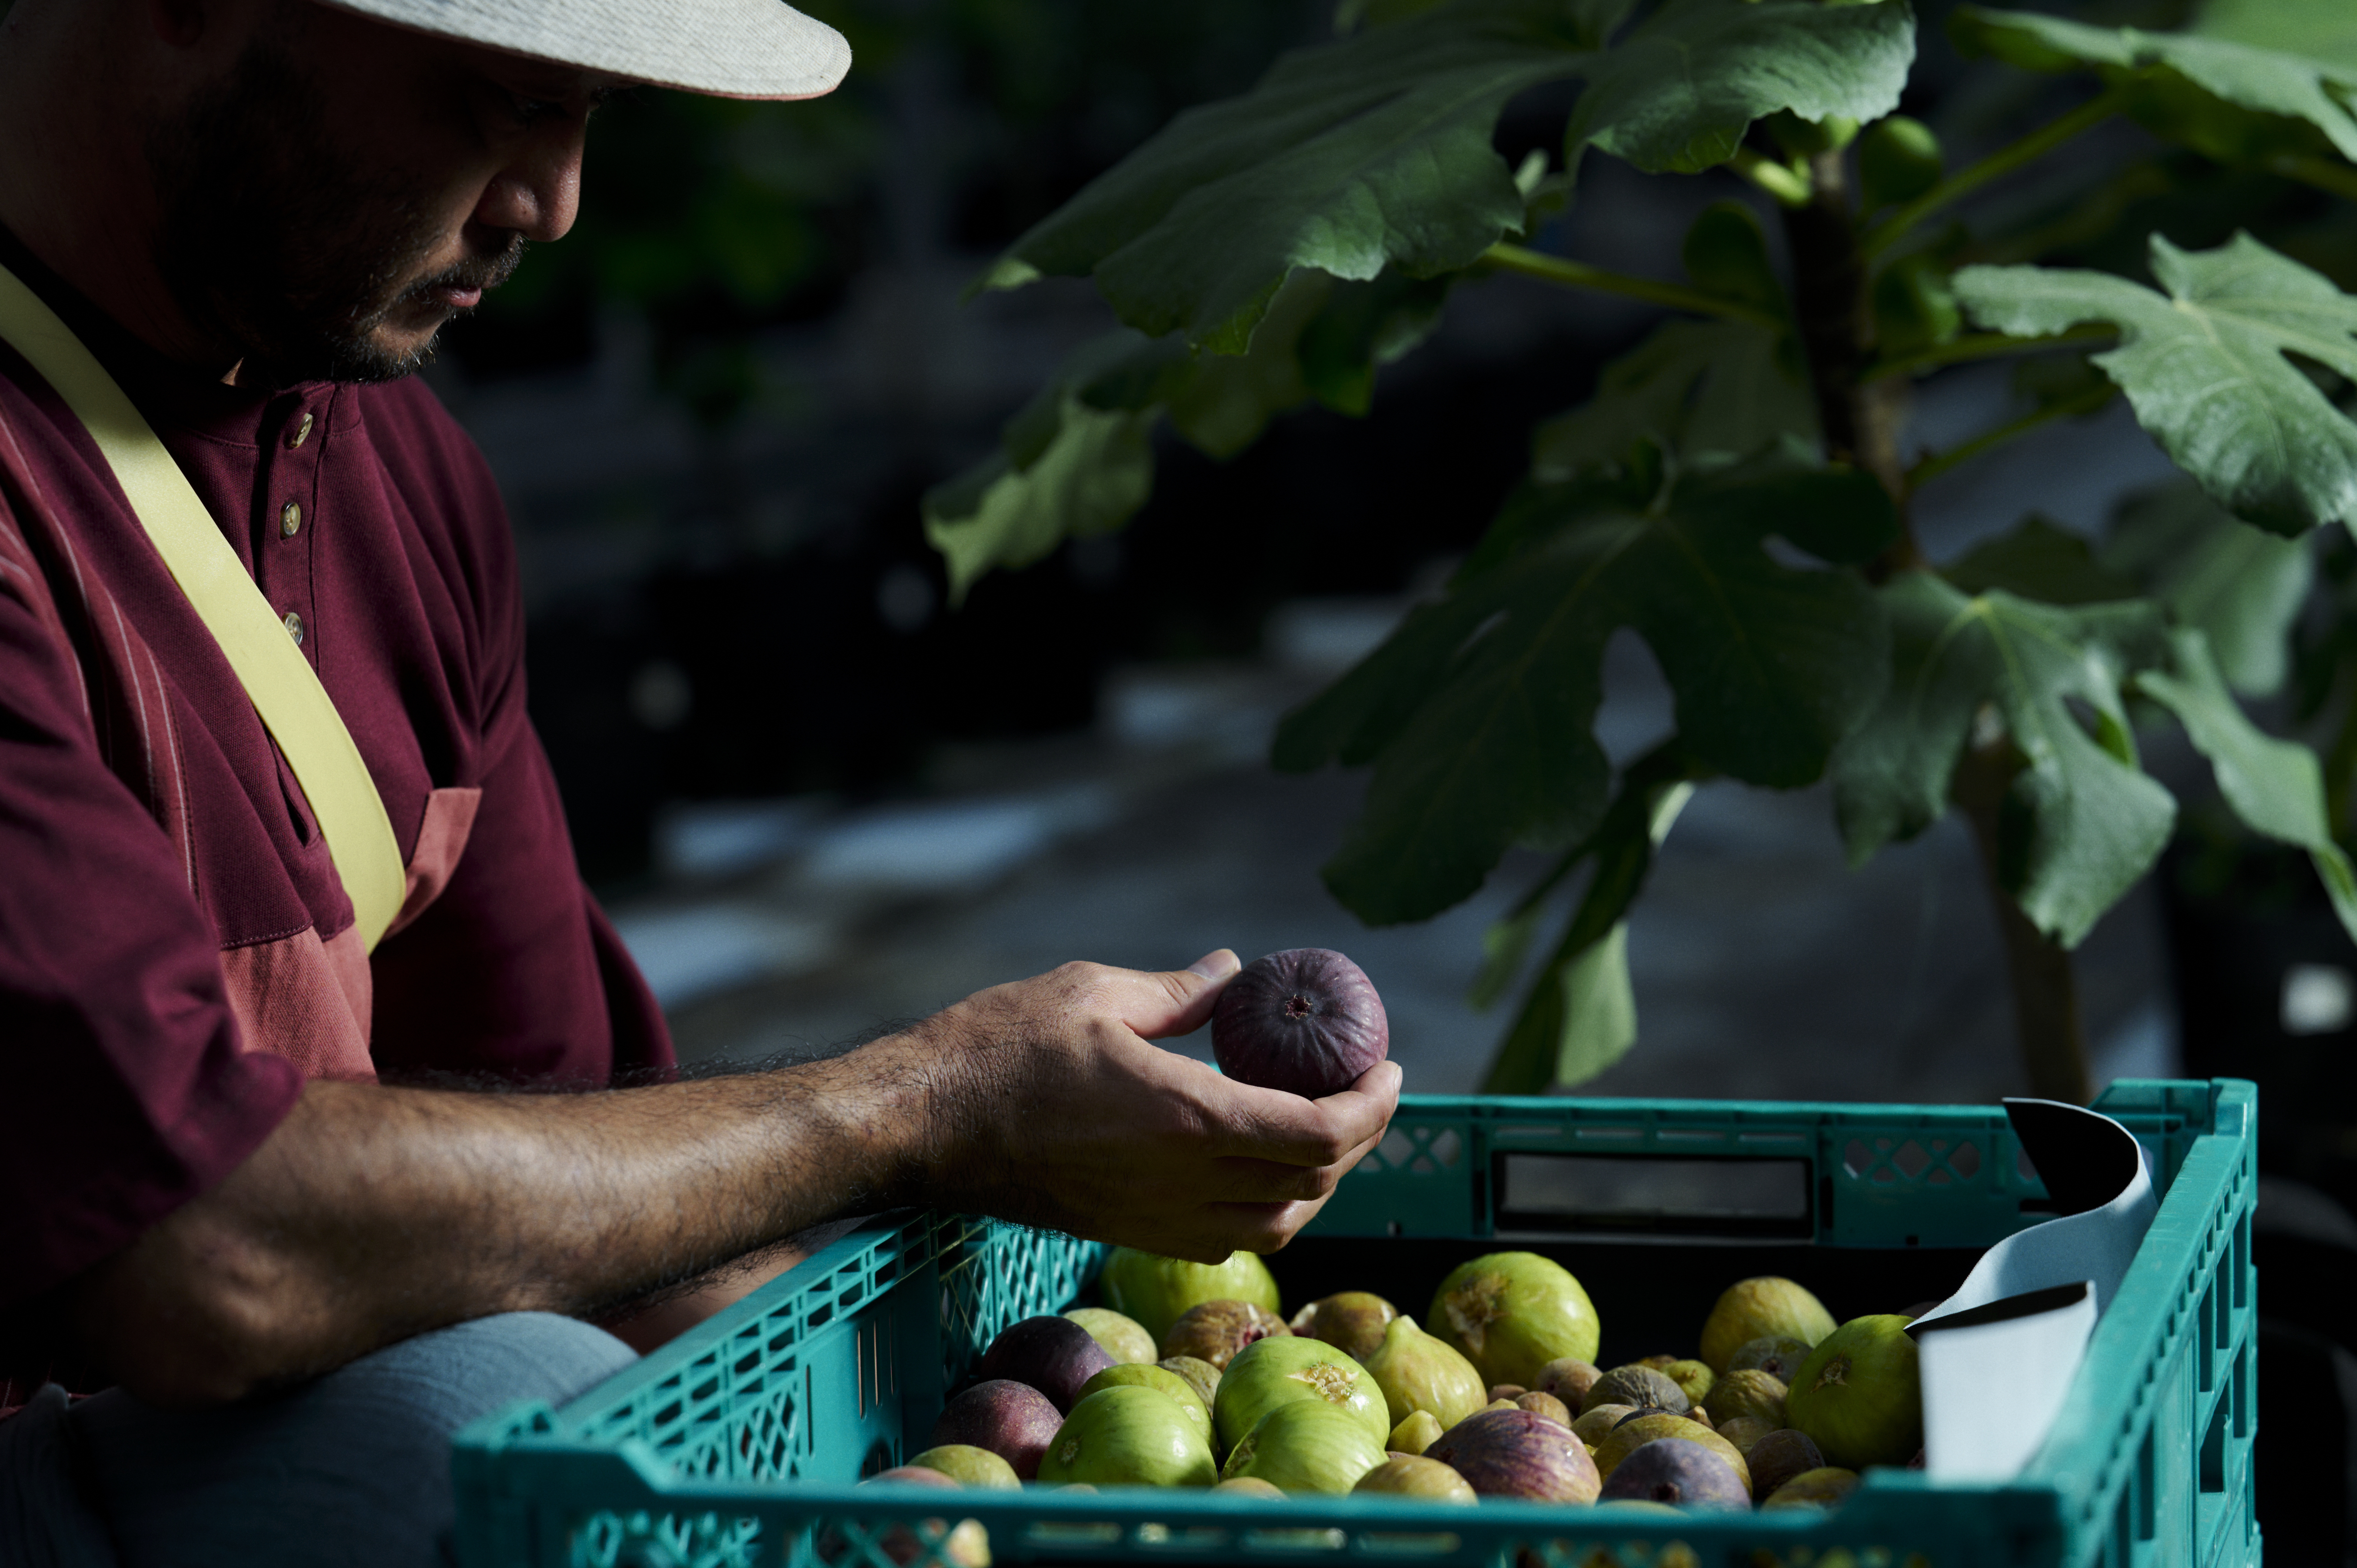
x,y
1984,346
1998,163
1928,469
1580,274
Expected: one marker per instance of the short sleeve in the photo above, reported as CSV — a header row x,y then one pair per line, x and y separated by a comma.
x,y
128,1091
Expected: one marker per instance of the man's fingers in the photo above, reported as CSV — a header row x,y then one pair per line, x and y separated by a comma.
x,y
1269,1124
1176,1002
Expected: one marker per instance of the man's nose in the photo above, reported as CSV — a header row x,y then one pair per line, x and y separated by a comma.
x,y
539,193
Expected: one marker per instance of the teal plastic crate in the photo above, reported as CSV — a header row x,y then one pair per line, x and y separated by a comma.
x,y
741,1444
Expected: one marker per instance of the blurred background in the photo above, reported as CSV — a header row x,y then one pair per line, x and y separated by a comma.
x,y
819,802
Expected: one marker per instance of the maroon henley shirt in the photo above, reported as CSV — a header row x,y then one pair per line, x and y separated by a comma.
x,y
177,955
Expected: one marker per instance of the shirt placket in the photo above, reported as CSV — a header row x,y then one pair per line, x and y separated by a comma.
x,y
287,519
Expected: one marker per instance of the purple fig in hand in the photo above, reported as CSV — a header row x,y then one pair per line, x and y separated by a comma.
x,y
1306,1021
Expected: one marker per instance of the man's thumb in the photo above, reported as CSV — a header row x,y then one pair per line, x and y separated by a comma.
x,y
1192,992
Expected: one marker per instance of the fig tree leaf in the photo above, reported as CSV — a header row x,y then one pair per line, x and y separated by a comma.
x,y
1709,391
2282,81
2097,821
1369,151
1580,1015
2314,29
1478,712
2039,561
1078,458
1066,467
2206,366
2275,787
2240,587
1678,91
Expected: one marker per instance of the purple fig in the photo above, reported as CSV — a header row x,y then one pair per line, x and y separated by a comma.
x,y
1681,1474
1014,1421
1778,1457
1518,1453
1305,1020
1054,1355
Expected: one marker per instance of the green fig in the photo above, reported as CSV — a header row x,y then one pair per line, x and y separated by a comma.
x,y
1201,1375
1419,1432
1898,159
1250,1486
1289,1369
1124,1339
1128,1436
1763,1304
1813,1489
1129,1374
1511,1313
1637,1385
972,1467
1155,1290
1858,1394
1694,1379
1744,1432
1428,1480
1754,1394
1307,1445
1418,1371
1590,1425
1777,1355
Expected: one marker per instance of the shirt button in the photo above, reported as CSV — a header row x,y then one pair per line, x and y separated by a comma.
x,y
290,520
300,434
293,623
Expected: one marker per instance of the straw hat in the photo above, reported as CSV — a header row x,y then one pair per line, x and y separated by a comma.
x,y
730,49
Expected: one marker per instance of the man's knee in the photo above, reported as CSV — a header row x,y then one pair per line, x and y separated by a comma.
x,y
359,1458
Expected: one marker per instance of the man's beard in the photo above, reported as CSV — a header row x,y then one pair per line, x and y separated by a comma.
x,y
284,252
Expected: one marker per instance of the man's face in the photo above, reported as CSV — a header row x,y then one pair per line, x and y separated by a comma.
x,y
348,187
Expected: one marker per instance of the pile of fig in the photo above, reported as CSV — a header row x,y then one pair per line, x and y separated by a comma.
x,y
1189,1376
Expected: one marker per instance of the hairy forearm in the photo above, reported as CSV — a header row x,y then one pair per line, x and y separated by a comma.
x,y
374,1212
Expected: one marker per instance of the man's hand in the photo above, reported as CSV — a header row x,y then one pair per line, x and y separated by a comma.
x,y
373,1213
1052,1109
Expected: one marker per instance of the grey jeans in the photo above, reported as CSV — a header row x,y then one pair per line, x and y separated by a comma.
x,y
352,1469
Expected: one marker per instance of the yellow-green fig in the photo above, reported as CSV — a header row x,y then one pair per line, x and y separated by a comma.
x,y
1428,1480
1765,1303
1307,1445
1631,1435
1289,1369
1859,1396
1129,1436
969,1465
1250,1486
1511,1313
1419,1432
1754,1394
1155,1290
1123,1337
1823,1488
1129,1374
1417,1371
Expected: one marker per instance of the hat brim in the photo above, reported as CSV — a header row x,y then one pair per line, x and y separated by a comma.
x,y
727,48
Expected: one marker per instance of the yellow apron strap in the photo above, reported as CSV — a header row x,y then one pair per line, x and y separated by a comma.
x,y
280,681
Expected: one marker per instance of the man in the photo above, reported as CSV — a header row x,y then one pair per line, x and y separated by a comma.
x,y
292,1276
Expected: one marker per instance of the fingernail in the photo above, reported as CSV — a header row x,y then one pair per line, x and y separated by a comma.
x,y
1217,964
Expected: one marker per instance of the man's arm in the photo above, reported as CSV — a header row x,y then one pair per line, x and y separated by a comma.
x,y
373,1213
